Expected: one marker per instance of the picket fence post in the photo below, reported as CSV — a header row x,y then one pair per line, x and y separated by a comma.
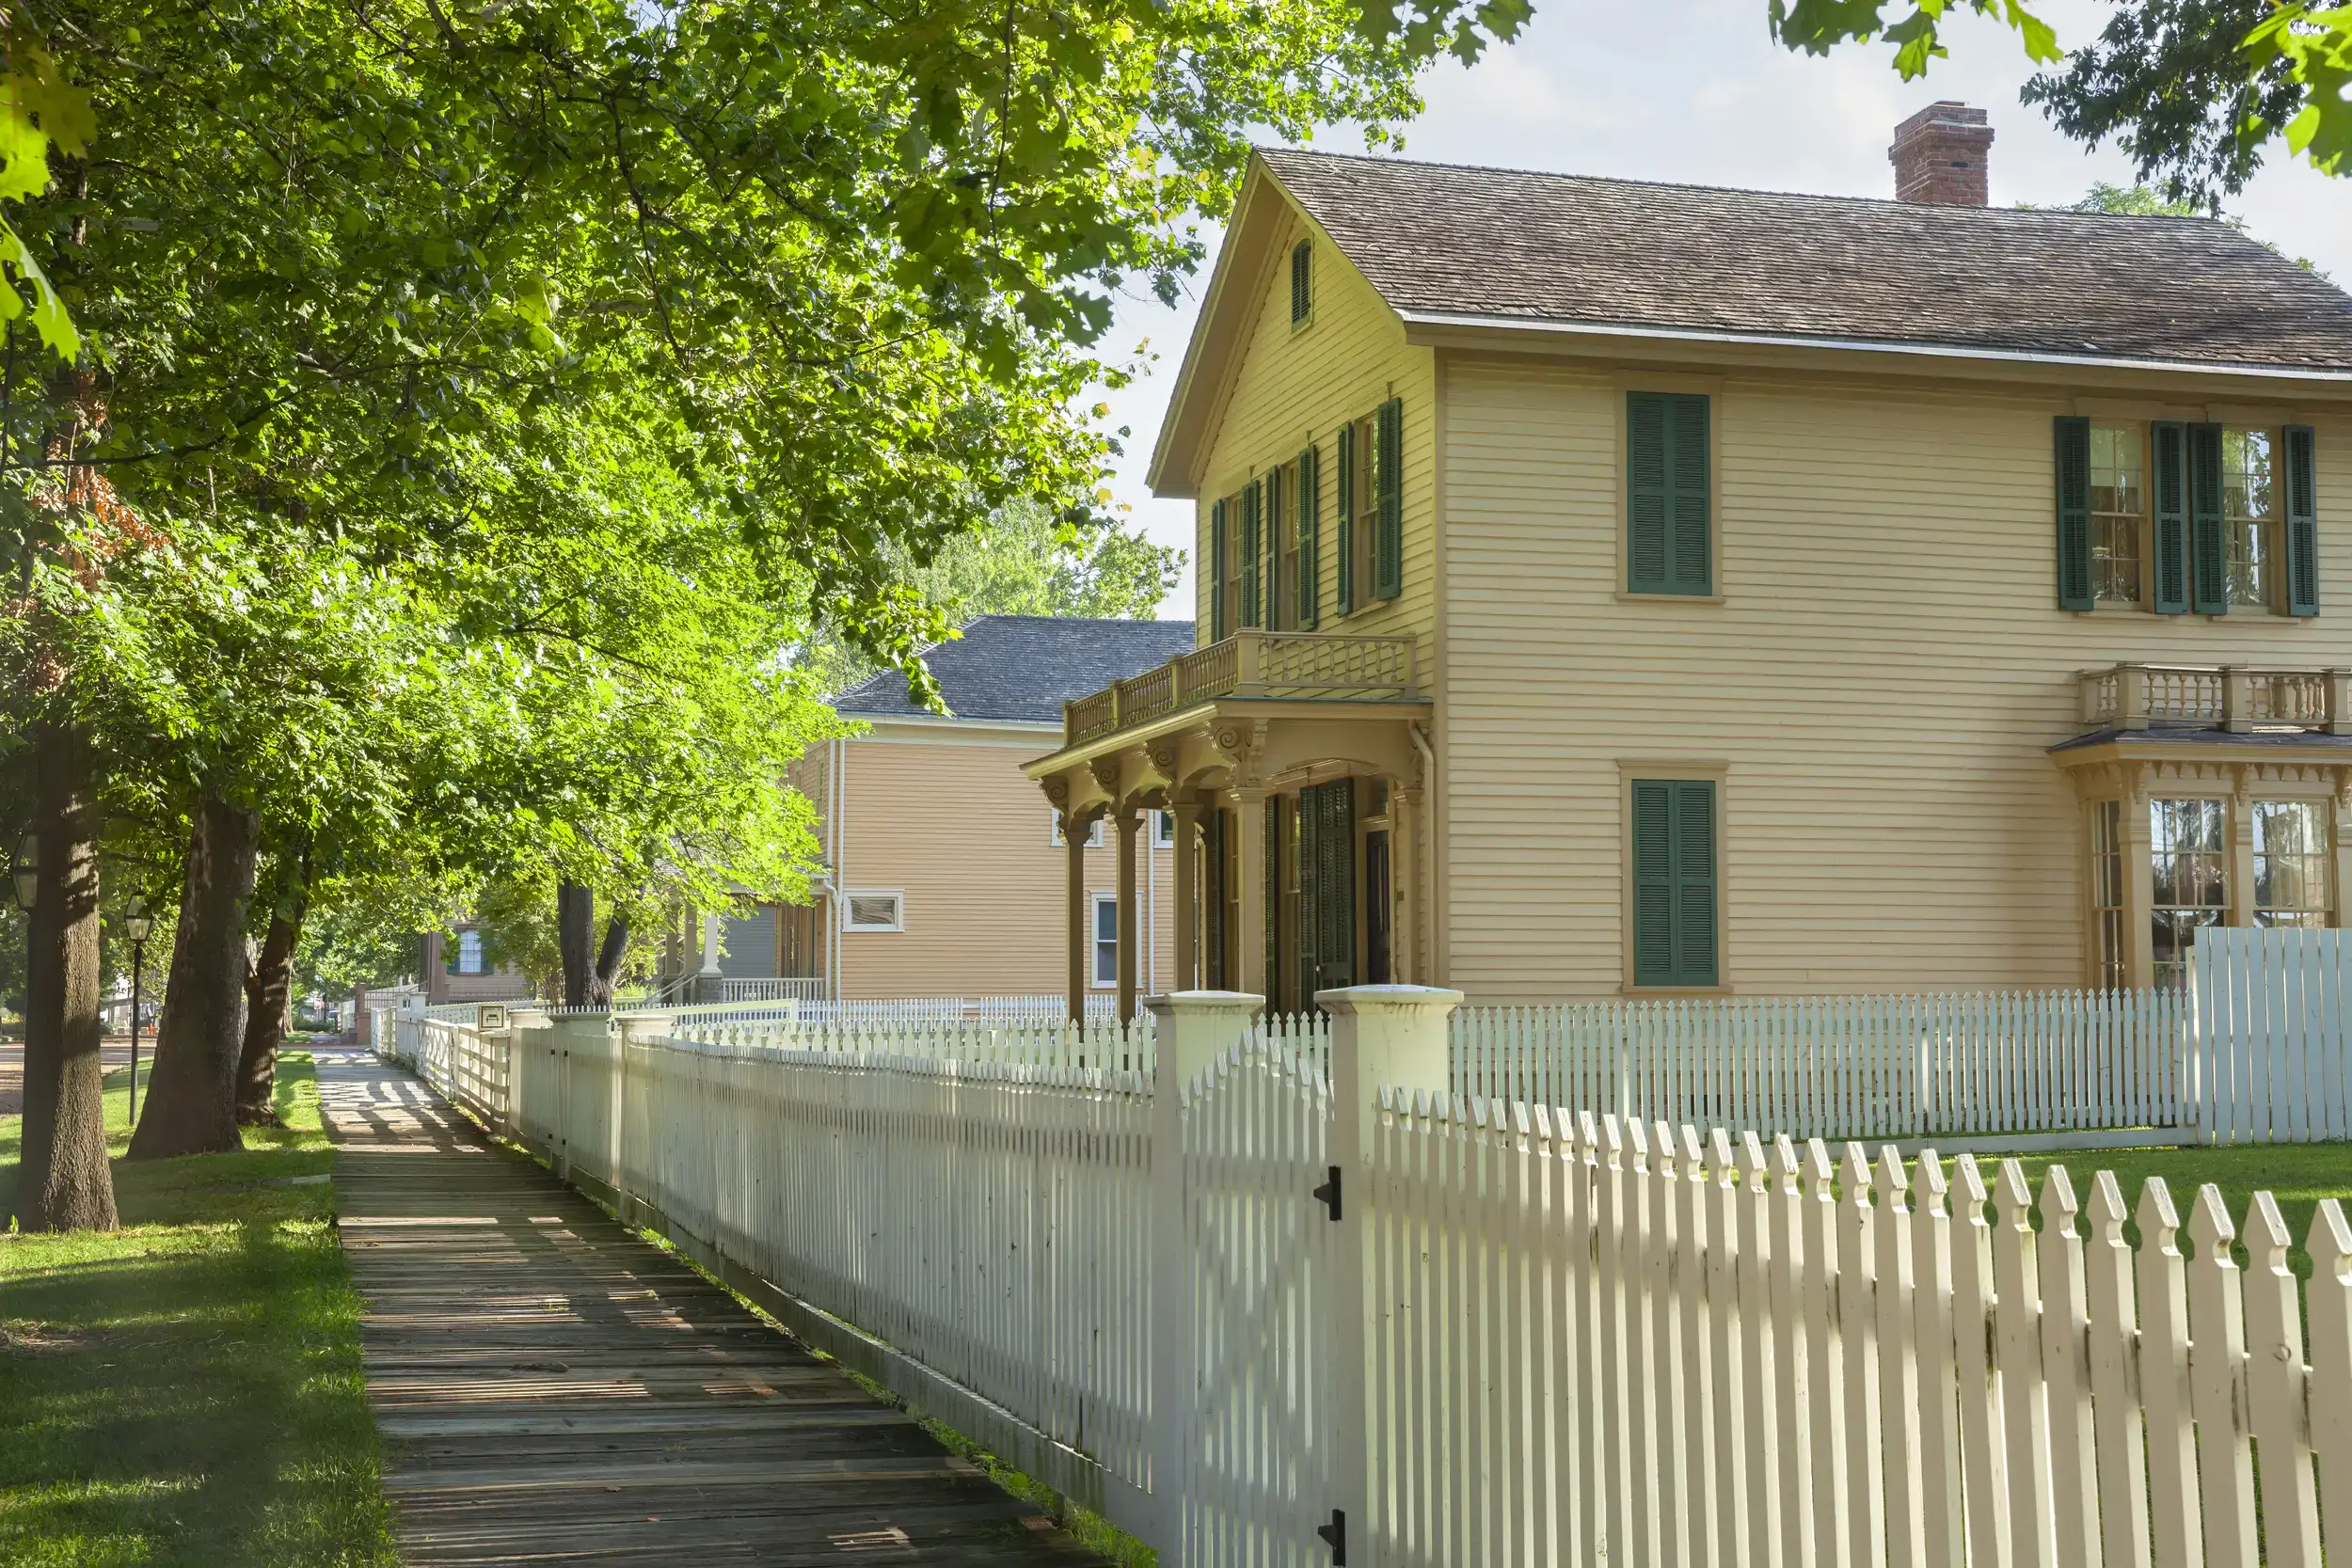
x,y
1191,1029
1381,1036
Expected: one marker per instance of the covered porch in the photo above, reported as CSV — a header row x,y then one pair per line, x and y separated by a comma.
x,y
1294,769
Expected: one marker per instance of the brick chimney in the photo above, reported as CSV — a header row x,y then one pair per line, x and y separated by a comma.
x,y
1939,156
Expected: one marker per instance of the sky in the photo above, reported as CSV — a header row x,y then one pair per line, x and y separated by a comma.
x,y
1696,91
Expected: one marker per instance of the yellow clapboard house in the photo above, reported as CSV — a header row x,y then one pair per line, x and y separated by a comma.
x,y
1611,588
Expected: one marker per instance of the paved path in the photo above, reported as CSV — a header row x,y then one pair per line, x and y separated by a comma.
x,y
550,1388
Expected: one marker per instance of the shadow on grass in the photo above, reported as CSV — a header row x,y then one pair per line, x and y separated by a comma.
x,y
188,1389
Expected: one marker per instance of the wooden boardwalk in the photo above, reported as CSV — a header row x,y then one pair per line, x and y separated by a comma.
x,y
550,1388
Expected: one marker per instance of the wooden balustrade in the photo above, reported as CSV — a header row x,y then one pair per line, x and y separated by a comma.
x,y
2233,697
1250,663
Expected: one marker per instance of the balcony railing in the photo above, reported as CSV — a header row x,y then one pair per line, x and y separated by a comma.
x,y
1249,663
2233,697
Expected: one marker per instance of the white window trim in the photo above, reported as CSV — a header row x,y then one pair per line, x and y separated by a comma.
x,y
1095,839
1094,942
481,961
848,901
1163,830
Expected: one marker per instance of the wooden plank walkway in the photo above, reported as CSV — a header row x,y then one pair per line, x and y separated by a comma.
x,y
552,1389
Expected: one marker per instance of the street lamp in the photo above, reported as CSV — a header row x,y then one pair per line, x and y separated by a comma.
x,y
136,923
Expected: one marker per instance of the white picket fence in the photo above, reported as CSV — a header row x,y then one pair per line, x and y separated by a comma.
x,y
2272,1010
1269,1301
1844,1067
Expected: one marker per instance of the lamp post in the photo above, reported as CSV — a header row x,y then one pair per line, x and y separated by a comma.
x,y
136,923
26,875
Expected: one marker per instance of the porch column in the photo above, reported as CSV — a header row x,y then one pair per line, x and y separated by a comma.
x,y
2241,843
1130,912
1074,840
1404,882
2138,890
1249,873
1187,913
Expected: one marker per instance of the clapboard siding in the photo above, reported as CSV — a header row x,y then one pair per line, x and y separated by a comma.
x,y
1294,387
1881,680
954,822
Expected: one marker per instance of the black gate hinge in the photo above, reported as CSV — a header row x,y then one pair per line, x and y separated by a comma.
x,y
1329,1194
1335,1534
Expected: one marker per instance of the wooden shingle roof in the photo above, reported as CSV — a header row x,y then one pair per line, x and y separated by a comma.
x,y
1504,246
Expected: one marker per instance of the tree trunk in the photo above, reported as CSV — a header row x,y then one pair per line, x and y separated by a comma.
x,y
575,924
609,958
268,989
190,1106
63,1183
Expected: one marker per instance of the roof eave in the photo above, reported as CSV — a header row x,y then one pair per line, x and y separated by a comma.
x,y
1434,328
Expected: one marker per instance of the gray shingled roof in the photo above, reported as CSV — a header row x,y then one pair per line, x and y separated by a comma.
x,y
1445,240
1024,667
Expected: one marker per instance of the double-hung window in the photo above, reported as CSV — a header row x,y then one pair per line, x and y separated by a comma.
x,y
1105,933
2291,879
2118,512
2188,865
2249,517
2108,906
465,956
1225,567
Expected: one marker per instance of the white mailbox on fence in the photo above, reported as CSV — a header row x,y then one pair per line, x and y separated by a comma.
x,y
493,1018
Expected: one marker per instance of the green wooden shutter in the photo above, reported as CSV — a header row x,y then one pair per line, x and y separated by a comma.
x,y
2073,462
1388,545
1310,535
1668,500
1212,898
2208,545
1249,549
1344,542
2302,489
1674,902
2168,448
1217,628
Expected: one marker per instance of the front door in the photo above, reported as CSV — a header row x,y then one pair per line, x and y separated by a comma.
x,y
1377,969
1327,886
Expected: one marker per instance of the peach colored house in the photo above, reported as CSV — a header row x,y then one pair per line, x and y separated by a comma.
x,y
944,869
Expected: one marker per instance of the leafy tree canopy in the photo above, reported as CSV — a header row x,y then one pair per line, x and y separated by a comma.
x,y
1026,564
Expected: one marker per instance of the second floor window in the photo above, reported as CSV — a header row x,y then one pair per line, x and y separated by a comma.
x,y
1668,548
2188,518
2248,512
2118,512
1281,526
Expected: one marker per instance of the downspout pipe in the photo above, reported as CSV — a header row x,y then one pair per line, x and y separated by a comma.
x,y
1426,851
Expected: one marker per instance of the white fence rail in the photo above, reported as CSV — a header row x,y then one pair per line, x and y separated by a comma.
x,y
1844,1067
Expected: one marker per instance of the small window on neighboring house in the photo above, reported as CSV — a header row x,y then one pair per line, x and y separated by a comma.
x,y
2118,512
1302,283
1094,832
1675,914
1669,545
1163,830
1105,938
2290,856
875,911
466,955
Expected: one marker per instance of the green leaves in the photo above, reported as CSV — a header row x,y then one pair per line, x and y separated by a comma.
x,y
1816,27
2316,47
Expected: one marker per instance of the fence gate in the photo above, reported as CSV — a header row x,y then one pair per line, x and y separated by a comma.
x,y
2272,1007
1260,1338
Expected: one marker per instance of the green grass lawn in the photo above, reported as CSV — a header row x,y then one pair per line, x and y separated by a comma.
x,y
187,1390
